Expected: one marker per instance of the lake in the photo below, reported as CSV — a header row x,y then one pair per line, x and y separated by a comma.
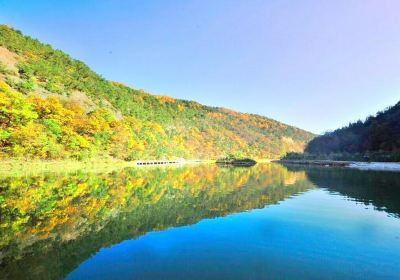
x,y
268,221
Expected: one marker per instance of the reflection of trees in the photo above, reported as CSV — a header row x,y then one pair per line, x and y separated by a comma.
x,y
380,189
50,223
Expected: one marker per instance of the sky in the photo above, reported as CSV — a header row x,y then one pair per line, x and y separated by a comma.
x,y
314,64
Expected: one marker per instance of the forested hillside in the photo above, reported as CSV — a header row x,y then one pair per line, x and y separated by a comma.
x,y
52,106
377,138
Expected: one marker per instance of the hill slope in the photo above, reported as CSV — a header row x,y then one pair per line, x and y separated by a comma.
x,y
378,137
52,106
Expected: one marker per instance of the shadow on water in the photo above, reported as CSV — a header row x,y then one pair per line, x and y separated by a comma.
x,y
52,223
377,188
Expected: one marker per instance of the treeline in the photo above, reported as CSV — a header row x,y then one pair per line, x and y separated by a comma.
x,y
41,85
376,139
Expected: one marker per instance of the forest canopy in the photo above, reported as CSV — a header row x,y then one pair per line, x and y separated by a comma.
x,y
53,107
377,139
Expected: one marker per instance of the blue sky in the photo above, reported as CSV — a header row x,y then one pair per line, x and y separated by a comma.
x,y
313,64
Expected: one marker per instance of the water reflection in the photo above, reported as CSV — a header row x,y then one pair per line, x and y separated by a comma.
x,y
51,223
376,188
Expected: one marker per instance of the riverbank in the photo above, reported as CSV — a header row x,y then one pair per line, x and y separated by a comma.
x,y
18,167
377,166
382,166
327,163
14,167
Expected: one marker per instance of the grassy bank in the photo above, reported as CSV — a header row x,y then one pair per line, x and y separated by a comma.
x,y
16,167
20,167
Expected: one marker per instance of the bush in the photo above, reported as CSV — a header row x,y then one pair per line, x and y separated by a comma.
x,y
26,86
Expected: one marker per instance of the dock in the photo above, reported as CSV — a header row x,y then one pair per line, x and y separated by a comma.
x,y
158,162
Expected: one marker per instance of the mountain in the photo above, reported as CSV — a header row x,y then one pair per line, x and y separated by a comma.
x,y
53,106
377,138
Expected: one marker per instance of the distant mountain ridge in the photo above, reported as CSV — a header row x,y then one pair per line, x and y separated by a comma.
x,y
377,138
52,106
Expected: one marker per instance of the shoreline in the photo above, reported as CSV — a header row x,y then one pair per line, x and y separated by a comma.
x,y
20,167
17,167
326,163
374,166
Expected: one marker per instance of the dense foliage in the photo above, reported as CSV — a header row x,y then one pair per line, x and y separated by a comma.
x,y
377,138
52,106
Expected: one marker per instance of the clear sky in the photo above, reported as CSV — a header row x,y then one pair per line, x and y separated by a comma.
x,y
314,64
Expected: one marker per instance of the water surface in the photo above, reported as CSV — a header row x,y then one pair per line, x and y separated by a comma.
x,y
202,222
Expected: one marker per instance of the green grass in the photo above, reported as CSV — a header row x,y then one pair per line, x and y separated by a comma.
x,y
21,167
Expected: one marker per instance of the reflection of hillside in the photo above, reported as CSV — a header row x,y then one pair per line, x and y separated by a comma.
x,y
50,224
380,189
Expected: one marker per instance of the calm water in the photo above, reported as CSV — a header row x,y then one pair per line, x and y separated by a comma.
x,y
202,222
